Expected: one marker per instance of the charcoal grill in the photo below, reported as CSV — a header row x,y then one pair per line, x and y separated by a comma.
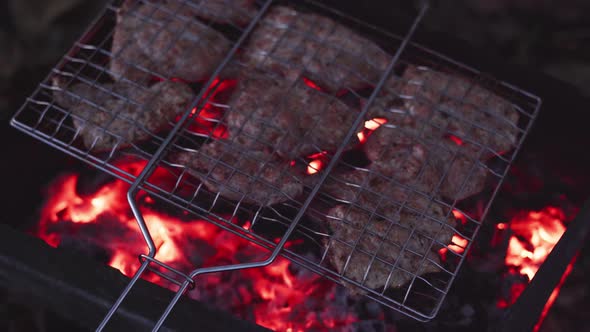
x,y
87,62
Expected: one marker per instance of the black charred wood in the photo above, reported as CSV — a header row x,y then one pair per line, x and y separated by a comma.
x,y
81,290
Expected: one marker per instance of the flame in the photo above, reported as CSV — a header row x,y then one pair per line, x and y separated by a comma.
x,y
456,140
458,244
314,166
375,123
535,235
280,296
311,84
207,121
370,126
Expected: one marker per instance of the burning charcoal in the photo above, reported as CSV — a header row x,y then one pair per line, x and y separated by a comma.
x,y
294,44
118,114
247,176
163,38
294,121
385,226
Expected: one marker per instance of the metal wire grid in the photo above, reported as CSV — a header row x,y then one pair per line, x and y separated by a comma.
x,y
88,68
421,298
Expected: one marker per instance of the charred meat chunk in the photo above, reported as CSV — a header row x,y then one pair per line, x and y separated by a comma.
x,y
160,38
115,115
238,174
293,120
296,44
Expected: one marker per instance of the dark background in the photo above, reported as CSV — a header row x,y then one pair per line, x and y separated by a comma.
x,y
521,41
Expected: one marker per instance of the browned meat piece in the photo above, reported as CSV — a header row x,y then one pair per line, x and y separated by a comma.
x,y
161,38
462,174
465,177
247,176
461,108
237,12
381,219
395,153
450,109
116,115
293,120
128,60
400,154
294,44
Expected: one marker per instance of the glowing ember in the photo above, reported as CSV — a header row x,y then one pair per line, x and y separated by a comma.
x,y
456,140
535,234
460,216
370,126
207,121
280,296
311,84
374,123
457,245
314,166
317,162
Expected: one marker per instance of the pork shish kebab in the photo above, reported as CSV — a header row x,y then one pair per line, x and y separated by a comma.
x,y
118,114
296,44
163,39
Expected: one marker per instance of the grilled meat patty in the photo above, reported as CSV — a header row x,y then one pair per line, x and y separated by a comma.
x,y
239,174
115,115
293,44
292,119
163,38
440,168
401,228
395,153
236,12
449,109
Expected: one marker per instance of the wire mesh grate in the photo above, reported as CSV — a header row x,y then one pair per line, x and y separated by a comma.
x,y
377,152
